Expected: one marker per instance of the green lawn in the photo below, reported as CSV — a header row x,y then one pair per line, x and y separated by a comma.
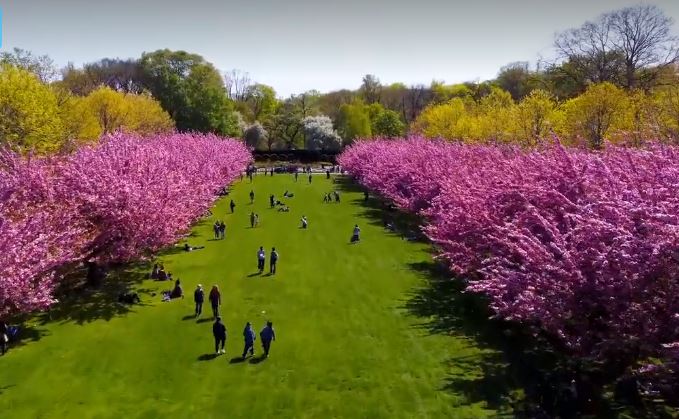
x,y
347,345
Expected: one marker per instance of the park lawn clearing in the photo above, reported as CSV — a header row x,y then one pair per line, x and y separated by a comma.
x,y
347,346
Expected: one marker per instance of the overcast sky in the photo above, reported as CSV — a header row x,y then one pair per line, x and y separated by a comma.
x,y
297,45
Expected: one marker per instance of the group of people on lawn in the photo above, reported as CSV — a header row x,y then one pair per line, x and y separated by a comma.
x,y
267,335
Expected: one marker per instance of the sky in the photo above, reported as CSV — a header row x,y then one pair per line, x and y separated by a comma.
x,y
298,45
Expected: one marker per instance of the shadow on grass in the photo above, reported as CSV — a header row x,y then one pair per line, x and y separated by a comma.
x,y
207,357
518,374
82,303
381,212
257,360
204,320
237,360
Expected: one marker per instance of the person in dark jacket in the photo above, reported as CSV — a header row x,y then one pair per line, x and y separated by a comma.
x,y
272,200
267,335
177,291
252,197
219,332
273,259
232,205
215,300
198,298
4,337
249,337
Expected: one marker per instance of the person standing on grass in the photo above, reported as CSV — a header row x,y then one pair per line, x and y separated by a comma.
x,y
327,174
366,195
249,337
219,332
261,259
4,337
256,220
310,178
215,298
356,237
273,259
272,200
337,197
232,205
305,223
252,220
215,228
252,197
296,175
198,298
222,229
267,335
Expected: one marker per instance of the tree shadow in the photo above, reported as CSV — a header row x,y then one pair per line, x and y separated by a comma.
x,y
381,212
82,303
207,357
518,372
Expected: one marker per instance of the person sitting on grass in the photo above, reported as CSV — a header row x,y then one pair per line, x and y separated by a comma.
x,y
154,271
356,237
177,291
326,198
284,208
162,275
305,223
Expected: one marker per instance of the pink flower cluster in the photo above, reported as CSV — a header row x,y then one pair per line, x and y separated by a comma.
x,y
117,201
584,245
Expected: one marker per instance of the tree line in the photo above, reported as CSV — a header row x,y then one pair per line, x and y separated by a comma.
x,y
615,79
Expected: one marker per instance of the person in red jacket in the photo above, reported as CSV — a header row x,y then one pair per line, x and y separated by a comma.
x,y
215,300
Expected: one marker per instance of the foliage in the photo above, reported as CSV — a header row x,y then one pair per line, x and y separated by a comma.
x,y
353,122
29,113
256,136
191,90
119,200
320,134
105,111
41,66
581,245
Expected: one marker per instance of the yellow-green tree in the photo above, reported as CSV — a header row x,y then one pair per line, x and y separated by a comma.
x,y
497,117
536,115
29,113
449,121
666,101
593,115
105,110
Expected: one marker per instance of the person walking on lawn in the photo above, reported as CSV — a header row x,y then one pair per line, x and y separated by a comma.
x,y
249,337
215,300
219,333
198,298
261,259
267,335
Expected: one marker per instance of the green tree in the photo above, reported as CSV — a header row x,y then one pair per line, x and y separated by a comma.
x,y
191,90
29,112
353,122
261,101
